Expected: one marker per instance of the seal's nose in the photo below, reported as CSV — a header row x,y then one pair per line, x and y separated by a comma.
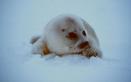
x,y
72,36
84,45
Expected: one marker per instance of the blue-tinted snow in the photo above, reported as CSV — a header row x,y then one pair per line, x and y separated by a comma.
x,y
22,19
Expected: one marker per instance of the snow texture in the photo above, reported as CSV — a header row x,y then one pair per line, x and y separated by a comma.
x,y
22,19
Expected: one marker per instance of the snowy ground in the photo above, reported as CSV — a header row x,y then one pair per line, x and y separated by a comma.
x,y
21,19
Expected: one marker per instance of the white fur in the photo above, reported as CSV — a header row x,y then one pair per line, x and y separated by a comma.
x,y
58,44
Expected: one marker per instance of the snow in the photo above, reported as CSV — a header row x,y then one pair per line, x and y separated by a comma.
x,y
22,19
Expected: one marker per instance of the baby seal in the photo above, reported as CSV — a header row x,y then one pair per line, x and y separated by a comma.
x,y
67,34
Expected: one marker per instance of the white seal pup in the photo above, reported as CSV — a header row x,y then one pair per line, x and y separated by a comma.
x,y
67,34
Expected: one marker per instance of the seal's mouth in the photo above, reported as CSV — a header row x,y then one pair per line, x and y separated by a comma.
x,y
79,45
78,49
84,45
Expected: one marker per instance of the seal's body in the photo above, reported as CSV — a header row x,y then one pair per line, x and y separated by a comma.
x,y
67,34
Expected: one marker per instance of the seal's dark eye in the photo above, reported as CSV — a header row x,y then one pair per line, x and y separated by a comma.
x,y
62,30
84,33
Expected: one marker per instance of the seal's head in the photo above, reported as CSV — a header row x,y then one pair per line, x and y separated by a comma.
x,y
74,34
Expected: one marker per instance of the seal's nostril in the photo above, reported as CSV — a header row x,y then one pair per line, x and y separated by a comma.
x,y
84,45
72,36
